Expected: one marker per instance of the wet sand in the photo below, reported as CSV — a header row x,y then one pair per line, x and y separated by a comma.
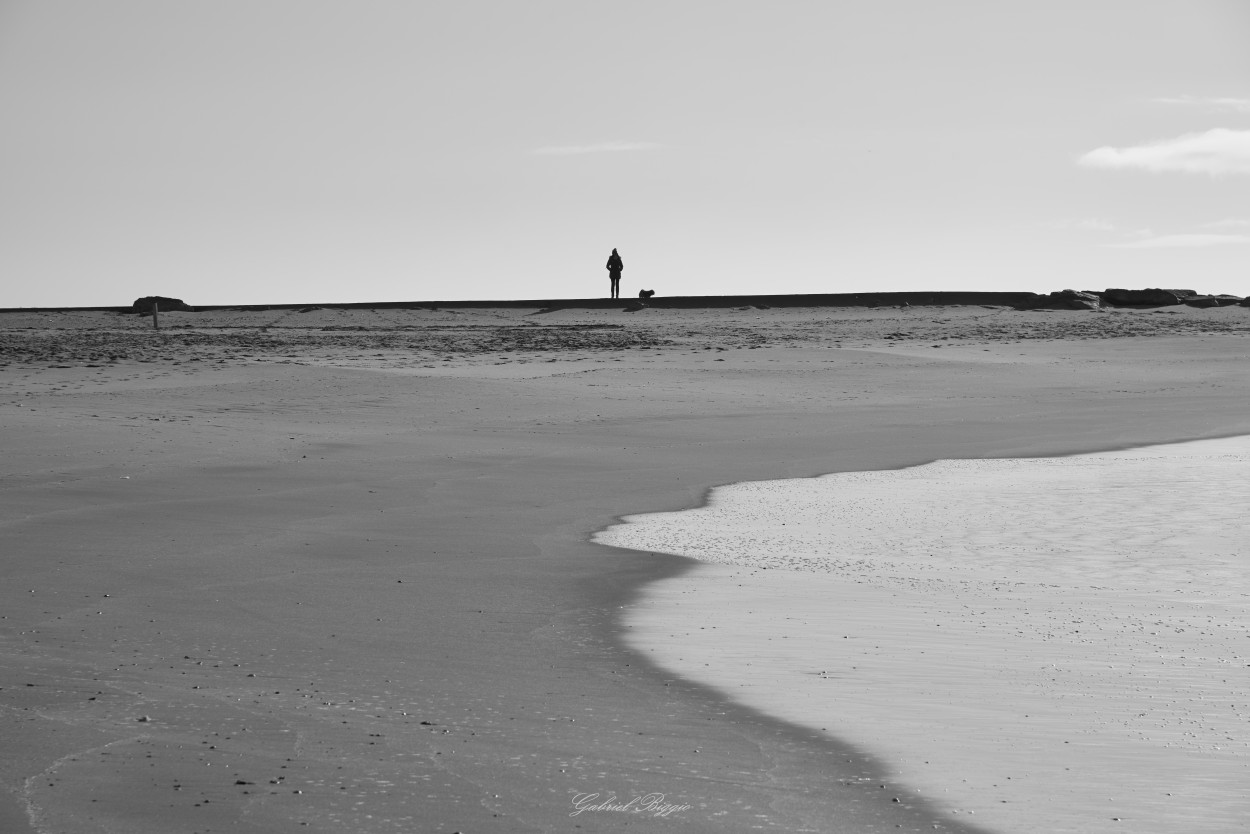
x,y
331,570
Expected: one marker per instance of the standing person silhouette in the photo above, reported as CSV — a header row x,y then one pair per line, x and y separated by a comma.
x,y
615,266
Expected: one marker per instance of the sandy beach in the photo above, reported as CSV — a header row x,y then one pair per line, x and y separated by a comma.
x,y
332,570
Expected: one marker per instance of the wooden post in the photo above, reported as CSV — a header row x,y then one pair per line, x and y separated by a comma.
x,y
156,309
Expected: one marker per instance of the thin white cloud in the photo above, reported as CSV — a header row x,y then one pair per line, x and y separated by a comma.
x,y
1087,224
1177,241
602,147
1211,103
1228,223
1218,151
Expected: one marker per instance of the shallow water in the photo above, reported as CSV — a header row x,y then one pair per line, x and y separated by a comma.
x,y
1054,644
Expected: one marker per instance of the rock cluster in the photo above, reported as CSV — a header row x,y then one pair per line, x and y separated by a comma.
x,y
1148,297
1214,300
1066,300
1092,300
143,306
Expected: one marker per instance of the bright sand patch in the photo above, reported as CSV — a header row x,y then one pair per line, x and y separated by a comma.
x,y
1050,643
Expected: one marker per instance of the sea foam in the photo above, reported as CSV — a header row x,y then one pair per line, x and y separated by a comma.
x,y
1051,644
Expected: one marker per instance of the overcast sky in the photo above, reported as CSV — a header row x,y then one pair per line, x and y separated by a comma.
x,y
253,151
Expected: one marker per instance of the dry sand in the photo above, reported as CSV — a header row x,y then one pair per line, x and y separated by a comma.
x,y
331,571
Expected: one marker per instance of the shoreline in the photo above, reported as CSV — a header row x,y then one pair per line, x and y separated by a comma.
x,y
825,761
296,481
776,598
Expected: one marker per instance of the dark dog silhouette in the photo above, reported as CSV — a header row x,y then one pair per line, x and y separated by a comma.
x,y
646,293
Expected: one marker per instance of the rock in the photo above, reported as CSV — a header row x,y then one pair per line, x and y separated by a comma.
x,y
1076,300
143,306
1148,297
1064,300
1213,300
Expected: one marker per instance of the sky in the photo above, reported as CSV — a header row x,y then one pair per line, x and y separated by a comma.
x,y
304,151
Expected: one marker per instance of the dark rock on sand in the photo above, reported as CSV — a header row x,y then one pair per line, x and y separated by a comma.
x,y
1155,297
1213,300
165,305
1064,300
